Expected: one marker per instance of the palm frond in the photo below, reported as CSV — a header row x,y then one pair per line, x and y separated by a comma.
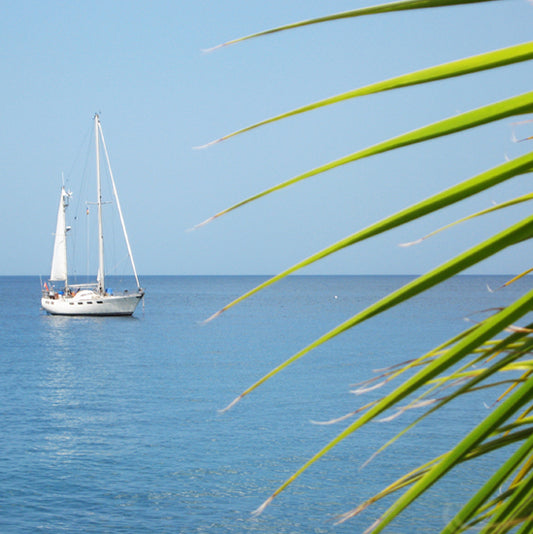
x,y
492,209
510,107
477,336
444,374
373,10
453,69
441,200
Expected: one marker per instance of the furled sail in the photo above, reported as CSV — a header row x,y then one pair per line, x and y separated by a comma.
x,y
59,259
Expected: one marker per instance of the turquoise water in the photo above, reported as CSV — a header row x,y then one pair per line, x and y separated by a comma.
x,y
112,424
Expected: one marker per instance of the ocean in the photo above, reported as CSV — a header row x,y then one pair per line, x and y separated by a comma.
x,y
112,425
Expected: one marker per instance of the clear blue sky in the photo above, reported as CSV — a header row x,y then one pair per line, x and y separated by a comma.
x,y
140,64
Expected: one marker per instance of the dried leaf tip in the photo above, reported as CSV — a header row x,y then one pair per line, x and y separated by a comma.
x,y
216,47
231,404
411,243
207,221
348,515
207,145
333,421
209,50
214,316
373,526
363,390
261,509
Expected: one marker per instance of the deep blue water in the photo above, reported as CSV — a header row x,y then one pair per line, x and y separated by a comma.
x,y
112,424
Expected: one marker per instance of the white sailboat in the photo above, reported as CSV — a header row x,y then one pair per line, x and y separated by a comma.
x,y
87,299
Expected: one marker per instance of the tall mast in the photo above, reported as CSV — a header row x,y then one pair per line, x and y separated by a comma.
x,y
117,201
100,278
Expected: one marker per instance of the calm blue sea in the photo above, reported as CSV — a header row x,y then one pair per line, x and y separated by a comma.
x,y
111,425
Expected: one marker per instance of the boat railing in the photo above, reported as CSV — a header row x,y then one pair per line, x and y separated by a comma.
x,y
80,286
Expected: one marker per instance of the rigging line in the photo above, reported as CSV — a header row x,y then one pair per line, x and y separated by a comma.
x,y
87,251
118,206
79,221
114,270
82,193
84,142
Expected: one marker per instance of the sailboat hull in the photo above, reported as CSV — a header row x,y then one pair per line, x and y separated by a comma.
x,y
91,303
